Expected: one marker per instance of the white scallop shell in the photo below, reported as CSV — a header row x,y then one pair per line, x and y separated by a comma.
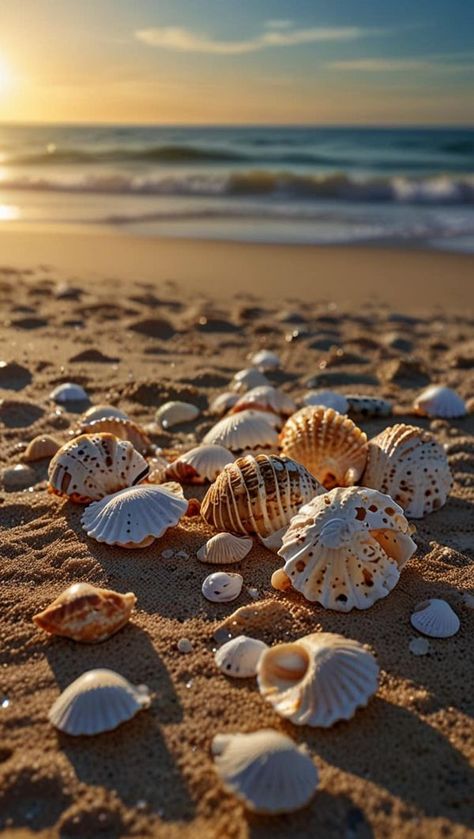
x,y
435,618
317,680
327,398
134,516
239,657
98,412
97,701
265,360
221,587
368,406
247,379
266,398
203,463
266,770
174,413
438,401
223,402
224,548
68,392
245,431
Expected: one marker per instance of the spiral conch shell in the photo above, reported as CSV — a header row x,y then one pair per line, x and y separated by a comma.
x,y
329,444
345,549
409,464
94,465
86,613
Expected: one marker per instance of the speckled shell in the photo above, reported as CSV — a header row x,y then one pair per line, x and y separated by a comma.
x,y
246,379
438,401
102,412
222,587
223,402
265,360
368,406
40,448
201,464
94,465
224,549
258,495
409,464
266,398
239,657
123,429
317,680
86,613
435,618
331,447
266,770
174,413
346,549
135,516
99,700
68,392
326,398
245,431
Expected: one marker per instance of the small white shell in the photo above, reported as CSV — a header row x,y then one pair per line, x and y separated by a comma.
x,y
239,657
224,548
266,770
265,360
266,398
435,618
247,379
174,413
368,406
221,587
97,701
68,392
222,403
327,398
244,432
438,401
203,463
98,412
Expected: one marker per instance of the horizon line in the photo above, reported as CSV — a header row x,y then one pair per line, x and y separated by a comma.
x,y
118,124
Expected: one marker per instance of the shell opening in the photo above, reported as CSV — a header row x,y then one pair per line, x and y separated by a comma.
x,y
285,665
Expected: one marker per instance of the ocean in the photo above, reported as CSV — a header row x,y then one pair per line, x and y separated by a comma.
x,y
401,186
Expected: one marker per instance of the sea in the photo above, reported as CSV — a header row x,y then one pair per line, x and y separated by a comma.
x,y
279,184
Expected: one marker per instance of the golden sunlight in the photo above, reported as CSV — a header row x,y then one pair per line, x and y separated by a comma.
x,y
5,76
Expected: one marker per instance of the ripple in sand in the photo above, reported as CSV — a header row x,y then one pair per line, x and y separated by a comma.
x,y
154,328
16,414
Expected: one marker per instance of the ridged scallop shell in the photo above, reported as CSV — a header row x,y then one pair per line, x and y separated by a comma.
x,y
68,392
86,613
435,618
94,465
123,429
266,398
135,516
265,360
247,379
223,402
326,398
331,447
201,464
266,770
222,587
438,401
368,406
239,657
258,495
409,464
98,412
99,700
244,431
224,549
40,448
174,413
317,680
345,549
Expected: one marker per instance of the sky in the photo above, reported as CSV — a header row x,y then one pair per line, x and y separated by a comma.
x,y
237,61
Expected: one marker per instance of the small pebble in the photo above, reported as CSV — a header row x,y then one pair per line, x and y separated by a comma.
x,y
182,555
253,593
167,554
184,645
419,646
18,477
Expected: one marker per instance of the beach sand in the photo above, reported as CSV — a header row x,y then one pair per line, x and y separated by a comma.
x,y
141,321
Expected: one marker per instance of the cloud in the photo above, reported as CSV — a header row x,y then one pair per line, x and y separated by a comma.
x,y
396,65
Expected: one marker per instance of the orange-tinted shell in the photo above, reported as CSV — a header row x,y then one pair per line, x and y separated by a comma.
x,y
40,448
124,429
86,613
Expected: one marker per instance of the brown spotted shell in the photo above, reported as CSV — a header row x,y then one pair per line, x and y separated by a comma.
x,y
92,466
124,429
40,448
86,613
329,444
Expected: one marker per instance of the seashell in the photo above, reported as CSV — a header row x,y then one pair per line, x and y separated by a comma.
x,y
223,402
331,447
175,413
326,398
265,360
438,401
266,398
435,618
409,464
99,700
245,431
258,495
239,657
266,770
368,406
345,549
224,548
123,429
203,463
135,516
247,379
158,466
94,465
68,392
98,412
317,680
86,613
222,587
40,448
18,477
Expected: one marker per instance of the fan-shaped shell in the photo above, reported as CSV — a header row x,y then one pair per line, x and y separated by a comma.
x,y
435,618
438,401
266,398
97,412
345,549
94,465
86,613
239,657
247,379
258,495
135,516
224,549
266,770
246,431
223,402
328,399
123,429
368,406
331,447
409,464
68,392
317,680
222,587
174,413
40,448
97,701
200,464
265,360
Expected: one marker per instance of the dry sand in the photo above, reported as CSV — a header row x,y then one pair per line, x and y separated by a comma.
x,y
401,767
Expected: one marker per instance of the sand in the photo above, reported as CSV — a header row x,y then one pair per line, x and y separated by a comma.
x,y
135,332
